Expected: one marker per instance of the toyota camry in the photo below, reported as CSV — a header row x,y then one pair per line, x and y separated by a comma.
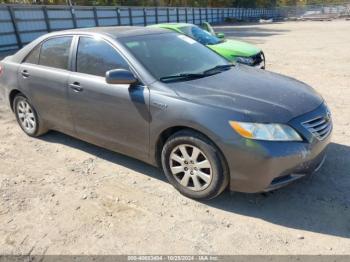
x,y
150,94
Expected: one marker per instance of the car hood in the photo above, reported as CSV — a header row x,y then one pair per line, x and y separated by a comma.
x,y
254,94
230,48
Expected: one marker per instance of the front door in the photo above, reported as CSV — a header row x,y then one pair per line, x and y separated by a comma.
x,y
113,116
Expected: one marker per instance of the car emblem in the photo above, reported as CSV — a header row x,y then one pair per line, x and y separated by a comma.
x,y
160,105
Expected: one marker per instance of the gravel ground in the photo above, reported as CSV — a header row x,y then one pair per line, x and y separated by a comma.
x,y
59,195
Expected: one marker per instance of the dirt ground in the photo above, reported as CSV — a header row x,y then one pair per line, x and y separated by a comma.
x,y
59,195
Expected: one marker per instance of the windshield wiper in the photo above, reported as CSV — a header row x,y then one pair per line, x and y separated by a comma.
x,y
190,76
181,76
218,68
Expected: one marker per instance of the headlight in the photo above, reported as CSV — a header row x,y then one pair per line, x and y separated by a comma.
x,y
270,132
244,60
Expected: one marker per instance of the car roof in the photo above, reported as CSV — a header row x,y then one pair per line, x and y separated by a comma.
x,y
174,25
116,31
110,31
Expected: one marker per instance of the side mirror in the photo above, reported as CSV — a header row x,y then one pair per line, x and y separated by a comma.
x,y
120,76
220,35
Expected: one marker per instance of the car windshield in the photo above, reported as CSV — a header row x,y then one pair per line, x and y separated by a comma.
x,y
200,35
170,55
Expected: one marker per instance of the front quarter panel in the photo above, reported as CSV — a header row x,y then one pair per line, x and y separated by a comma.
x,y
168,110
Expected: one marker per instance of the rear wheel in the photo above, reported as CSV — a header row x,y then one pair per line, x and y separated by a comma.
x,y
27,117
194,166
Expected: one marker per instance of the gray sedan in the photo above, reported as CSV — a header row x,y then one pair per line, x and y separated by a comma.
x,y
167,100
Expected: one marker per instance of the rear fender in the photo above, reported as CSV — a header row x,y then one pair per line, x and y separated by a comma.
x,y
8,80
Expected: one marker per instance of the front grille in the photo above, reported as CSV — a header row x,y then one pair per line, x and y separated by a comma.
x,y
320,126
258,59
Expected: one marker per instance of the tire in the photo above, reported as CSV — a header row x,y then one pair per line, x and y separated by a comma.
x,y
27,117
206,177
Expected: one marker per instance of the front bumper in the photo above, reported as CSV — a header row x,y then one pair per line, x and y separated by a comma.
x,y
264,165
257,166
258,61
285,180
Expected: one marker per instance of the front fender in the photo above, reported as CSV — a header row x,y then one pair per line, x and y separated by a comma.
x,y
174,112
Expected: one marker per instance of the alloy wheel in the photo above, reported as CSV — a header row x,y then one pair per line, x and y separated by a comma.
x,y
190,167
26,116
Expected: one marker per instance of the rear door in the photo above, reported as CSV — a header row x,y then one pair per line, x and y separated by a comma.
x,y
113,116
44,76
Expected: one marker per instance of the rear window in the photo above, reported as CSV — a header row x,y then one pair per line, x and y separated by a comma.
x,y
55,52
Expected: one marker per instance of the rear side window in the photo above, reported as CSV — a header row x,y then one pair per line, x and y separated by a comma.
x,y
96,57
55,52
33,57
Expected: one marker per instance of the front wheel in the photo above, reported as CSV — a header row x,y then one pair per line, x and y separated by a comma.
x,y
194,166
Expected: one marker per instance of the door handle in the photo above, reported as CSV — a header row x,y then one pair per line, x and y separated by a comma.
x,y
25,73
76,87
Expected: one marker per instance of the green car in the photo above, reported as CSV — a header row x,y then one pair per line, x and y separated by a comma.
x,y
230,49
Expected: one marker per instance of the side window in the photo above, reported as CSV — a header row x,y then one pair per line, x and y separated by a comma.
x,y
96,57
55,52
33,57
